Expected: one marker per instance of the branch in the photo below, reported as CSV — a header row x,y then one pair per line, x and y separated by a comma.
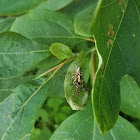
x,y
52,69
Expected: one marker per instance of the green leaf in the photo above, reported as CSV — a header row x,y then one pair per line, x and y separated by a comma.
x,y
4,93
61,51
136,123
6,107
46,27
47,64
7,85
77,102
79,126
16,7
19,54
57,86
77,6
27,137
82,21
55,5
123,130
118,44
28,99
6,23
130,96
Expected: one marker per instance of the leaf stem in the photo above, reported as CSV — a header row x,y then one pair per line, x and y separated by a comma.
x,y
90,51
62,64
85,38
56,67
89,39
92,64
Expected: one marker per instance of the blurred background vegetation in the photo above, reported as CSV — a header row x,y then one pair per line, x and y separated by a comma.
x,y
53,112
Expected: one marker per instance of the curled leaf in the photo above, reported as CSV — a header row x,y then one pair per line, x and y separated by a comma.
x,y
77,100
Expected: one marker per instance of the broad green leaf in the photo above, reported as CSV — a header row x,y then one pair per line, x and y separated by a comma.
x,y
61,51
130,96
57,86
28,99
16,7
82,21
6,107
46,27
55,5
118,44
78,126
27,137
48,64
4,93
6,23
19,54
77,6
123,130
136,123
7,85
77,102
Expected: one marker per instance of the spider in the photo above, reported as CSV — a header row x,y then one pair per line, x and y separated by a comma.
x,y
78,80
78,75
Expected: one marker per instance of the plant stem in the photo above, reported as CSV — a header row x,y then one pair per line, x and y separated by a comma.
x,y
89,39
90,51
62,64
56,67
92,63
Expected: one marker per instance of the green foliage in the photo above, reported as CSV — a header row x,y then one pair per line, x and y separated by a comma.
x,y
55,5
77,102
47,120
83,19
6,23
120,131
76,126
117,43
19,54
130,96
61,51
56,56
16,7
27,99
46,27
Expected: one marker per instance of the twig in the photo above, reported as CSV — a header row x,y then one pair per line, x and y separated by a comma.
x,y
52,69
89,39
92,63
